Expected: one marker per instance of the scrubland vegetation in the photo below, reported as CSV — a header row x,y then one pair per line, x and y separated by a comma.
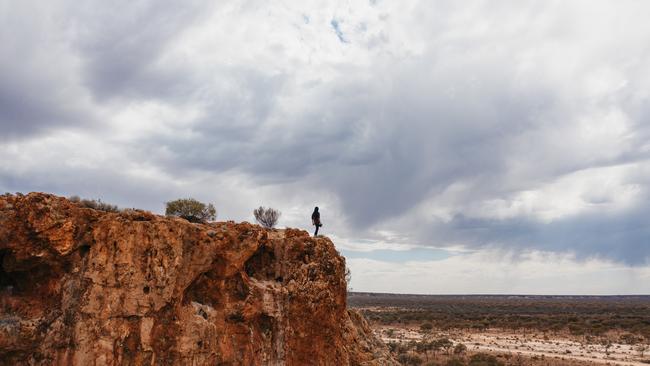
x,y
510,330
579,316
95,204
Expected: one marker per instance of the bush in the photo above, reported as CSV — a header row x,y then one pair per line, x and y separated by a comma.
x,y
426,327
267,217
445,344
94,204
191,210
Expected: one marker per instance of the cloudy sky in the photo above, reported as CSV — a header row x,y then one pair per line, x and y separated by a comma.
x,y
453,147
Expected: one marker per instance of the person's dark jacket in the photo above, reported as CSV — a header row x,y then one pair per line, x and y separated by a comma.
x,y
315,218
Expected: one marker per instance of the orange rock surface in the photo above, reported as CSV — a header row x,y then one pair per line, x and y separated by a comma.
x,y
85,287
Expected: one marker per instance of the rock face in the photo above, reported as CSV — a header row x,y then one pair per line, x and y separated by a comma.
x,y
86,287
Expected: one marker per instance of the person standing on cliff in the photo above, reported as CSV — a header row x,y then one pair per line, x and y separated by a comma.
x,y
315,220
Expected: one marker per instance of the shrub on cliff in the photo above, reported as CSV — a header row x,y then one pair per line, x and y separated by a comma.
x,y
267,217
191,210
94,204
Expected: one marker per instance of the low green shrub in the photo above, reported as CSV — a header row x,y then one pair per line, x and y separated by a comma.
x,y
191,210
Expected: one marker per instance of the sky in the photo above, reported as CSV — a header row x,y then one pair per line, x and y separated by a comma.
x,y
453,147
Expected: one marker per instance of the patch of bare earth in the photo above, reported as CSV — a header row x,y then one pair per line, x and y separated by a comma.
x,y
519,348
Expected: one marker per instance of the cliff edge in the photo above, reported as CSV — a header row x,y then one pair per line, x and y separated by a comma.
x,y
85,287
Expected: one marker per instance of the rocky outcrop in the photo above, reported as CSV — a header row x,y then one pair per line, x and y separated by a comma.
x,y
85,287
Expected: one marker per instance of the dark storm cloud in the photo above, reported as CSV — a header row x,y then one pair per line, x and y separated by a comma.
x,y
34,95
24,112
229,133
100,182
381,145
120,48
624,237
53,55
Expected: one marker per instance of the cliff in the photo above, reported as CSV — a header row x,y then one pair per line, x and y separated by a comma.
x,y
85,287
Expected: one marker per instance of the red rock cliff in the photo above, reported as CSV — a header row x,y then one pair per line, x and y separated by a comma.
x,y
85,287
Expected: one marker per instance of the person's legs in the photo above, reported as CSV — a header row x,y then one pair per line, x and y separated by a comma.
x,y
316,232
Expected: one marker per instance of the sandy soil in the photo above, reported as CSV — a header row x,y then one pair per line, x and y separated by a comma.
x,y
529,345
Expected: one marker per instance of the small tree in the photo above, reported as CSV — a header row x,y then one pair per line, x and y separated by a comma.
x,y
191,210
267,217
424,347
445,344
608,344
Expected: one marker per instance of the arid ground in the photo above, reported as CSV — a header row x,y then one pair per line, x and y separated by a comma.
x,y
510,330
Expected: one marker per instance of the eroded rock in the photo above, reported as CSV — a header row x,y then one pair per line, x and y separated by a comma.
x,y
83,287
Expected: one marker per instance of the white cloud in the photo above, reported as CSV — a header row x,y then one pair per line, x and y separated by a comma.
x,y
589,190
